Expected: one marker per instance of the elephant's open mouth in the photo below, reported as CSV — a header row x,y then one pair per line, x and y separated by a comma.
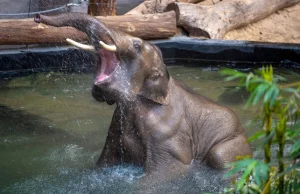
x,y
109,59
109,64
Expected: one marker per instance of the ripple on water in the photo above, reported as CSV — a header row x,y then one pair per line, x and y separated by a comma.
x,y
110,180
14,140
119,179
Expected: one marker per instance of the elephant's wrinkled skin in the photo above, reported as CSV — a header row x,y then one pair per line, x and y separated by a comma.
x,y
158,123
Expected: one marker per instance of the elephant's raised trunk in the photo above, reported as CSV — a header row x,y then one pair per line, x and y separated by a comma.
x,y
96,30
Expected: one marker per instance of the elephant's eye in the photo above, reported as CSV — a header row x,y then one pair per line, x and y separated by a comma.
x,y
137,45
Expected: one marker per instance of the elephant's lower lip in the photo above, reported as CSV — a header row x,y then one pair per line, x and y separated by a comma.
x,y
109,63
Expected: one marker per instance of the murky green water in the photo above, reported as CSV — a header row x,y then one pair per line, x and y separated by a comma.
x,y
52,132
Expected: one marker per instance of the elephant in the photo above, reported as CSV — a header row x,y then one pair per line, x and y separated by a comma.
x,y
159,123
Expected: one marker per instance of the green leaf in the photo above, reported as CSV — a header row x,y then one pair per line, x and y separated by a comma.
x,y
246,174
241,81
269,138
258,80
233,72
256,136
259,91
264,170
294,132
256,175
290,90
238,166
250,99
295,149
274,96
260,172
248,79
255,188
268,94
227,191
232,172
231,78
279,78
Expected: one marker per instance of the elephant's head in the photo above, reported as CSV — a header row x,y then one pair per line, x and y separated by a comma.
x,y
127,67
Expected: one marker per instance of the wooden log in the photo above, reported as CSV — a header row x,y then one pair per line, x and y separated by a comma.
x,y
213,21
26,31
102,7
155,6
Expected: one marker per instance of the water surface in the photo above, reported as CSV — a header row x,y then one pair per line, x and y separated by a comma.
x,y
52,132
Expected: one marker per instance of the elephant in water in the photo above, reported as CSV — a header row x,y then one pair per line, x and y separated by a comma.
x,y
158,123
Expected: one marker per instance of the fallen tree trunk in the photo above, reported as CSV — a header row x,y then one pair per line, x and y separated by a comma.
x,y
213,21
26,31
155,6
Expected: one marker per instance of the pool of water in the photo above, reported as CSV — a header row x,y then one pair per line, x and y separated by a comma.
x,y
52,132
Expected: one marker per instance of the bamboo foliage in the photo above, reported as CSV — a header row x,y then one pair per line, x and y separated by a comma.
x,y
280,106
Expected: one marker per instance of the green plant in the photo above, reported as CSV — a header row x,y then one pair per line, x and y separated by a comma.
x,y
280,105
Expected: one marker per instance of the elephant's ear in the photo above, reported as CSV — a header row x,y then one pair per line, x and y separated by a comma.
x,y
156,88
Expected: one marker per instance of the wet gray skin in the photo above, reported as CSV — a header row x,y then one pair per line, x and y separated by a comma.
x,y
51,130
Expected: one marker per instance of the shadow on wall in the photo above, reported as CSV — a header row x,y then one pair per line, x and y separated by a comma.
x,y
26,6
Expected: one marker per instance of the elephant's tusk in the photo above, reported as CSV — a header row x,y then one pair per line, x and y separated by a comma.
x,y
112,48
79,45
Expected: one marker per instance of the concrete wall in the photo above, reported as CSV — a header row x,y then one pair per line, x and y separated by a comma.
x,y
124,6
25,6
16,6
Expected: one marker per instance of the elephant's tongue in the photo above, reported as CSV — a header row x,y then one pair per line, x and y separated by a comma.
x,y
109,62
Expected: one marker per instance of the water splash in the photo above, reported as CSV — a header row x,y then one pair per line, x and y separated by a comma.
x,y
117,180
122,119
111,180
